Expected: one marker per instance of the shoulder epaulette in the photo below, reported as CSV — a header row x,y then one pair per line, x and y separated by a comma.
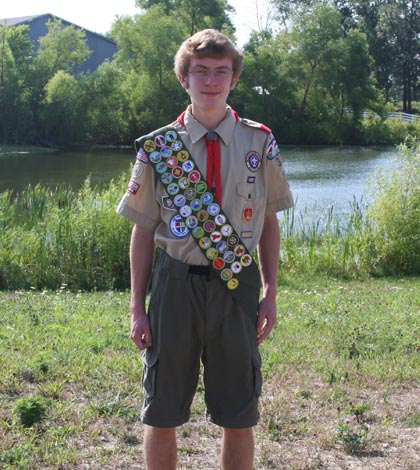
x,y
257,125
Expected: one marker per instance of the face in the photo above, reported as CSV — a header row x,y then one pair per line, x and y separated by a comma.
x,y
209,82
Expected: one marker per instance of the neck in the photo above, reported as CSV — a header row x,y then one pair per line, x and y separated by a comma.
x,y
209,118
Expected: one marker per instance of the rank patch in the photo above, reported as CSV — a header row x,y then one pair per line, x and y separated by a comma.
x,y
253,161
247,214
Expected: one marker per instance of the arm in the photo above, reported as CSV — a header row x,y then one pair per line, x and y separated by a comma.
x,y
268,254
142,250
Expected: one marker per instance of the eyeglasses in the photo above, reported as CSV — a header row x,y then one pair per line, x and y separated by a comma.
x,y
204,74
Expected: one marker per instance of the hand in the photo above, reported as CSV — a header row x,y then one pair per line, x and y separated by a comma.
x,y
140,331
267,312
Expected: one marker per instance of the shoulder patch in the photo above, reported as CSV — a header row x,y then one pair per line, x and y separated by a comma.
x,y
256,125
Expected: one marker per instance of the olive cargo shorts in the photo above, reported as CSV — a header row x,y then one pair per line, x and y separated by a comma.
x,y
193,317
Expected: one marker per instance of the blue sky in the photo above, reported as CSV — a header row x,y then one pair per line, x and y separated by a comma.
x,y
98,15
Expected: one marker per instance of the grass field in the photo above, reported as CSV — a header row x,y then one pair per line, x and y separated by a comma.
x,y
342,381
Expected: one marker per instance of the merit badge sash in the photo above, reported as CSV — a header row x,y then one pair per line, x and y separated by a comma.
x,y
206,222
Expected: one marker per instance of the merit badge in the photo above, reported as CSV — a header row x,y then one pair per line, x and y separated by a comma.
x,y
177,145
218,263
177,172
246,260
213,209
172,162
142,156
133,187
236,267
247,214
160,140
190,194
209,226
170,136
226,274
172,189
222,247
167,203
178,227
194,176
227,230
137,170
211,253
246,234
229,257
207,198
253,161
205,243
183,155
155,157
185,211
215,237
239,250
166,178
188,166
191,221
166,151
161,167
149,146
273,150
202,215
179,200
233,284
196,204
184,182
198,232
233,240
201,187
220,219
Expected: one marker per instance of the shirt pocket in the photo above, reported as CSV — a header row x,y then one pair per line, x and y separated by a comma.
x,y
251,205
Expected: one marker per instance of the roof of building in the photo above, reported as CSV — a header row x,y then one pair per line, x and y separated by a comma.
x,y
28,19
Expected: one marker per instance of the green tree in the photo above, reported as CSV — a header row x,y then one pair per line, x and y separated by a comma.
x,y
15,64
61,49
195,14
147,46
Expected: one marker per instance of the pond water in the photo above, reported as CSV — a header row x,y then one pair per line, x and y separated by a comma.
x,y
320,177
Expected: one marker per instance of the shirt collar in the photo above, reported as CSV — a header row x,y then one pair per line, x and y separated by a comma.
x,y
196,130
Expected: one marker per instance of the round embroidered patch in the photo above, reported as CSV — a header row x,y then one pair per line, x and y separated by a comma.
x,y
207,198
179,200
178,227
149,146
185,211
184,182
218,263
220,219
166,151
226,274
171,136
233,284
211,253
172,189
198,232
160,140
214,209
166,178
205,243
155,157
191,222
253,161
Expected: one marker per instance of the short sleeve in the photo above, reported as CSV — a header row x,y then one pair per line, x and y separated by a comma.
x,y
279,196
139,203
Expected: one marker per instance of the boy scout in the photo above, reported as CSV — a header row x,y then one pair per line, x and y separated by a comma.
x,y
205,190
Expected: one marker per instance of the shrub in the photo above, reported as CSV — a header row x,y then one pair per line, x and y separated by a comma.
x,y
395,215
31,410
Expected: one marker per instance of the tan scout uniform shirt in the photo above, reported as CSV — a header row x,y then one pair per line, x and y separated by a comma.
x,y
253,186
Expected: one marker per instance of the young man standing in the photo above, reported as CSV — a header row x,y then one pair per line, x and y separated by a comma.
x,y
205,190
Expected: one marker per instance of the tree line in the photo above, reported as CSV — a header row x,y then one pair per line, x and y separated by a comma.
x,y
309,74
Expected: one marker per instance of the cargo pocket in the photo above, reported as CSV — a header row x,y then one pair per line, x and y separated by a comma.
x,y
256,361
150,360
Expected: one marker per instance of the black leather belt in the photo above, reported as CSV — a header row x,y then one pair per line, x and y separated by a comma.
x,y
202,270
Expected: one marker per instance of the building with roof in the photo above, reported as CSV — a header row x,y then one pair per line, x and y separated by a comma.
x,y
102,47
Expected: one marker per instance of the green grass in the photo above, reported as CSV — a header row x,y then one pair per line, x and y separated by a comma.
x,y
72,352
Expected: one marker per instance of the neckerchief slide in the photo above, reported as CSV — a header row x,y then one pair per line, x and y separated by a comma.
x,y
214,234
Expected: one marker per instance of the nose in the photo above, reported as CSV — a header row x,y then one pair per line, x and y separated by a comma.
x,y
211,77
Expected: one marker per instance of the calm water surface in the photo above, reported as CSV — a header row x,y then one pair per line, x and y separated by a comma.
x,y
320,178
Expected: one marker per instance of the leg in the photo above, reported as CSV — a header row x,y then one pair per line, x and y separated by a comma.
x,y
160,452
238,449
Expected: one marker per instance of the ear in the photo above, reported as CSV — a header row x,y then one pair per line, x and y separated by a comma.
x,y
234,82
183,80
